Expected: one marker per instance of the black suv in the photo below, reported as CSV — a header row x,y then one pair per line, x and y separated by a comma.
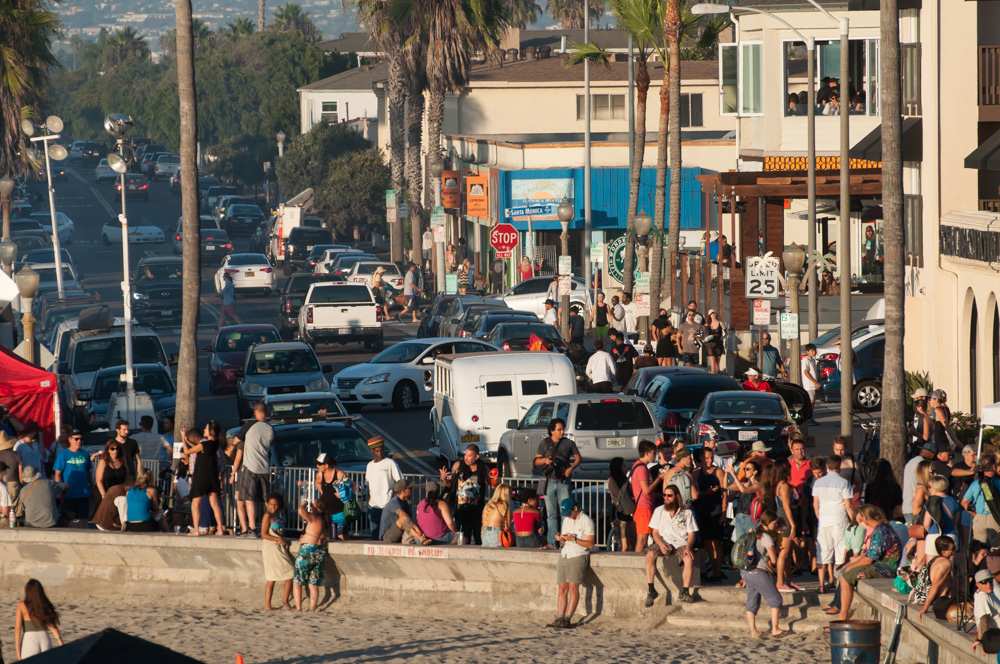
x,y
156,291
301,241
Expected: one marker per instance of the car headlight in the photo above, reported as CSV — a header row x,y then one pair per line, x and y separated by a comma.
x,y
254,390
318,385
138,297
377,378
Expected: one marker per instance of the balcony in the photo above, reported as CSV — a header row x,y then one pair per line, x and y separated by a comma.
x,y
989,204
989,83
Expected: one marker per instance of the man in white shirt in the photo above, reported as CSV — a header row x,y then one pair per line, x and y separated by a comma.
x,y
631,327
671,534
551,316
985,605
810,374
381,475
600,368
576,536
832,505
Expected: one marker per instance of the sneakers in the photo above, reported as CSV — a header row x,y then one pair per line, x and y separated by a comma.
x,y
686,596
651,598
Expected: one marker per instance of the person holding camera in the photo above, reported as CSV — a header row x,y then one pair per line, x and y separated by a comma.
x,y
557,457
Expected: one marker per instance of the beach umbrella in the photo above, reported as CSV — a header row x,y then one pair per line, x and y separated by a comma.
x,y
110,645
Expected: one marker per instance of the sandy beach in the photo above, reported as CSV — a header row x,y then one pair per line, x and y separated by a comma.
x,y
342,634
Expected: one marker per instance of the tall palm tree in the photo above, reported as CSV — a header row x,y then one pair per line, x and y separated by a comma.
x,y
240,27
187,367
27,29
659,212
522,13
893,378
672,33
292,17
569,13
123,45
643,19
416,84
261,15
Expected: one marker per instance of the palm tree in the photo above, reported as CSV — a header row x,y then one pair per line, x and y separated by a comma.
x,y
416,84
124,45
643,19
893,376
261,15
292,18
656,235
240,27
187,367
672,33
569,13
522,12
27,29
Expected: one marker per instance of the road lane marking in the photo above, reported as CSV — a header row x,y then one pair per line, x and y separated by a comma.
x,y
93,190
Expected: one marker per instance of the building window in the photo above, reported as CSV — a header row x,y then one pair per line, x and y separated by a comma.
x,y
909,65
602,107
740,67
913,230
328,112
691,113
863,77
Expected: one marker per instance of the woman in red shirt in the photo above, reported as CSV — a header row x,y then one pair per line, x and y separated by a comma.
x,y
528,523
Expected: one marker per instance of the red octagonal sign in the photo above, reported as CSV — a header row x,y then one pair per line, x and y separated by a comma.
x,y
503,238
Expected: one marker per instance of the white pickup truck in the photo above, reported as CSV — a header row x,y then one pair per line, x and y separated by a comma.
x,y
341,313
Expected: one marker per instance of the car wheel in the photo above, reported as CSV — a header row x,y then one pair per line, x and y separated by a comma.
x,y
868,395
404,396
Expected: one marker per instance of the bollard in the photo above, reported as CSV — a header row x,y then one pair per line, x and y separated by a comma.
x,y
855,641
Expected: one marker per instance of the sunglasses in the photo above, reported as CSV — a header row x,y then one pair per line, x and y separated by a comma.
x,y
113,449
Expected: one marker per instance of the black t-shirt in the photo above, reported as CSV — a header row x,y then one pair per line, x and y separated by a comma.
x,y
562,452
624,356
661,323
130,455
576,329
468,485
940,468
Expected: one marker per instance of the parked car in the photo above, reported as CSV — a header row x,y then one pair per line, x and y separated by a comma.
x,y
278,368
138,233
828,343
676,396
297,444
517,336
64,225
430,324
530,295
401,376
136,186
47,278
249,272
602,426
153,379
46,256
156,290
242,218
229,350
743,416
165,166
453,312
868,365
292,296
642,378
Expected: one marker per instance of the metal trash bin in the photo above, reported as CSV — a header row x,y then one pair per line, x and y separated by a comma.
x,y
855,641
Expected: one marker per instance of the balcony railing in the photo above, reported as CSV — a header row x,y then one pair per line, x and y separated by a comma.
x,y
989,82
989,204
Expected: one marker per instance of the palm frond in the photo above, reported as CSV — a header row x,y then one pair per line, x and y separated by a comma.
x,y
588,52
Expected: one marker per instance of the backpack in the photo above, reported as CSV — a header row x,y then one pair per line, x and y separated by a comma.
x,y
745,555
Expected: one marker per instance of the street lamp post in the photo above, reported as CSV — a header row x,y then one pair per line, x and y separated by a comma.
x,y
53,125
27,285
794,258
8,255
118,125
6,189
565,212
280,138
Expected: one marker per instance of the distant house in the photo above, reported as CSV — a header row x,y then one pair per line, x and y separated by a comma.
x,y
344,97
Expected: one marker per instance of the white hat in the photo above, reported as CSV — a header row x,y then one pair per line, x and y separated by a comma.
x,y
919,393
752,372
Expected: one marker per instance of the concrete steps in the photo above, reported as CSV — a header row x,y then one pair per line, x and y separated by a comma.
x,y
722,609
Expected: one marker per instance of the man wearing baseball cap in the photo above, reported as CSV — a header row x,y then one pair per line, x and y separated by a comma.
x,y
754,383
381,474
985,605
396,525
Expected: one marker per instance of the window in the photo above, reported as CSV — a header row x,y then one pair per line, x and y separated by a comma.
x,y
691,115
909,66
538,416
328,112
863,77
913,232
602,107
608,416
534,387
740,67
499,388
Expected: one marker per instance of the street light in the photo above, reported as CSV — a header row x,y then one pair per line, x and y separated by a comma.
x,y
436,168
6,189
280,137
566,212
118,125
53,125
27,285
794,258
8,254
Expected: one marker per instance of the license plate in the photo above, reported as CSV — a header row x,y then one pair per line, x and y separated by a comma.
x,y
470,438
209,247
249,274
344,330
748,435
131,187
614,443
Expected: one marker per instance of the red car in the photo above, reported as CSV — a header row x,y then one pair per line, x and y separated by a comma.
x,y
229,351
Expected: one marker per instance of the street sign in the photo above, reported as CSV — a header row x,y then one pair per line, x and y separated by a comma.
x,y
440,233
761,312
789,325
438,216
597,253
566,265
503,237
451,283
642,282
504,255
565,285
763,274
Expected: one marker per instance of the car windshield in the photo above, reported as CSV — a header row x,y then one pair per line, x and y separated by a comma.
x,y
341,294
248,259
486,322
47,275
240,341
160,271
400,353
308,235
314,407
294,360
519,331
206,222
168,159
298,285
153,381
743,406
347,262
612,414
93,354
688,395
46,256
299,449
245,210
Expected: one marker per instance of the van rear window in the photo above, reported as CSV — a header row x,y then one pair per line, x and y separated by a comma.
x,y
340,295
499,388
534,387
603,416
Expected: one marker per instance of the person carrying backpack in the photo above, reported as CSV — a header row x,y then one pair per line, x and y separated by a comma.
x,y
755,555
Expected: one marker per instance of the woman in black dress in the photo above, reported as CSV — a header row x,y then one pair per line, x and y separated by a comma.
x,y
205,480
714,331
708,512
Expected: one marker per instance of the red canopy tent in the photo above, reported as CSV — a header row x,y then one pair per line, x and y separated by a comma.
x,y
29,393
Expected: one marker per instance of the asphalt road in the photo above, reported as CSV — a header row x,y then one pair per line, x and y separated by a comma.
x,y
90,205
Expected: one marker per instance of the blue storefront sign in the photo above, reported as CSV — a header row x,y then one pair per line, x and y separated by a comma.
x,y
534,194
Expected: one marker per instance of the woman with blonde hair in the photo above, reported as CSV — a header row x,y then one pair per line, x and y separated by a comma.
x,y
920,491
496,516
36,622
379,290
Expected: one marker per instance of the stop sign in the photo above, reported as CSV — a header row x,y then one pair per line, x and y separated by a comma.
x,y
503,238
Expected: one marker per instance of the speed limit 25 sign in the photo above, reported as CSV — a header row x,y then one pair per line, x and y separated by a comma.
x,y
762,278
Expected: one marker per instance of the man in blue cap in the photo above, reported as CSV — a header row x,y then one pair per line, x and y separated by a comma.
x,y
576,536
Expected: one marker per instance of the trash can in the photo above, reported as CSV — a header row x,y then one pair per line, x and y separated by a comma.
x,y
855,641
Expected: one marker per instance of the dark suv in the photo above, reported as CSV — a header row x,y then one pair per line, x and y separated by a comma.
x,y
156,292
301,241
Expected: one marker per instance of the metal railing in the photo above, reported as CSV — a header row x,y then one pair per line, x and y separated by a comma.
x,y
989,75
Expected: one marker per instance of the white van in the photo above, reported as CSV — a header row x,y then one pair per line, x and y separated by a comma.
x,y
477,394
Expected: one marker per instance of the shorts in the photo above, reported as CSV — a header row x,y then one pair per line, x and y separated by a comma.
x,y
601,331
572,570
830,545
760,585
853,575
641,519
251,485
309,565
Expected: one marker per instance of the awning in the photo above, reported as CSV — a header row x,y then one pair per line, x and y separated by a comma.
x,y
987,156
870,147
